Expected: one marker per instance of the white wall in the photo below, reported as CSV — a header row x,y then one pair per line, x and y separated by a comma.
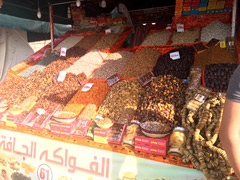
x,y
14,48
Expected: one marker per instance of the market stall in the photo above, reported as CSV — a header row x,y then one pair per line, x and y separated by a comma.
x,y
91,109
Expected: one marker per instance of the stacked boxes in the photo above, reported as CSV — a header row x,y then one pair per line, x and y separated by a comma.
x,y
151,145
195,7
179,7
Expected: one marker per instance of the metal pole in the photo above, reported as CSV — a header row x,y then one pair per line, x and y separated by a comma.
x,y
51,25
234,12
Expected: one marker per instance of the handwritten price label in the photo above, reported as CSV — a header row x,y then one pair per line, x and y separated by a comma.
x,y
113,79
180,27
63,51
44,172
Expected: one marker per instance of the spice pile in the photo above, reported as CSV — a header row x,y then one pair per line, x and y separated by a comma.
x,y
123,95
186,37
217,76
88,41
94,96
162,101
140,63
217,30
106,41
157,38
203,147
112,64
179,67
214,55
69,42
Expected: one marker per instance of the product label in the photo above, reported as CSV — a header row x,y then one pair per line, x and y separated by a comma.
x,y
61,76
107,31
180,27
175,55
222,44
200,97
87,87
113,79
63,51
41,111
147,78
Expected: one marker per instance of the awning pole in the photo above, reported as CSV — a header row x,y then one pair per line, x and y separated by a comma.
x,y
51,25
234,12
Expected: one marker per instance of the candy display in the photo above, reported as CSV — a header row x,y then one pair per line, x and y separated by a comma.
x,y
140,63
162,101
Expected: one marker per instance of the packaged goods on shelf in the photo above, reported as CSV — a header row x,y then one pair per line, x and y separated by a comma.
x,y
214,55
140,63
186,37
176,62
157,38
217,30
116,134
69,42
123,95
112,64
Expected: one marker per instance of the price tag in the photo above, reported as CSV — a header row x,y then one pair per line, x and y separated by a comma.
x,y
63,51
87,87
180,27
175,55
222,44
41,111
61,76
200,97
147,78
108,31
113,79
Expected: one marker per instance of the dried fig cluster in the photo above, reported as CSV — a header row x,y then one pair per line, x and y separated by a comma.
x,y
162,101
179,67
217,76
123,95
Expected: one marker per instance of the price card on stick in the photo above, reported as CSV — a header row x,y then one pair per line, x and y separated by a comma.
x,y
180,27
113,79
175,55
63,51
61,76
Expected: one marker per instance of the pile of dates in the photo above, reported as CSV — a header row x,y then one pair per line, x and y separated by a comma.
x,y
162,101
217,76
179,67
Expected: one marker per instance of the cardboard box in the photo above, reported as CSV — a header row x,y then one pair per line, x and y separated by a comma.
x,y
204,4
153,142
202,8
220,5
151,150
64,129
117,137
101,132
98,139
81,128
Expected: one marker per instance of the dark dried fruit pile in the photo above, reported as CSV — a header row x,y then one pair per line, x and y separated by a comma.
x,y
162,101
180,67
217,76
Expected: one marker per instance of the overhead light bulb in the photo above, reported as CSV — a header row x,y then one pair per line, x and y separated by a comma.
x,y
144,24
69,13
1,3
78,3
39,14
153,23
104,4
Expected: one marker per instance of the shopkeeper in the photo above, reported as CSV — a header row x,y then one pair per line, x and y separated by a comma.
x,y
230,127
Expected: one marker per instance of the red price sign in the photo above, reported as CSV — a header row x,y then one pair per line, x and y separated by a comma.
x,y
44,172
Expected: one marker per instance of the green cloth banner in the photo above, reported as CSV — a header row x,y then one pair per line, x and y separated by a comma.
x,y
32,25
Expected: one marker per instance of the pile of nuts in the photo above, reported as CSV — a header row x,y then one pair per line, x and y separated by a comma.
x,y
186,37
217,76
123,95
162,101
106,41
217,30
140,63
69,42
88,41
112,64
157,38
180,67
214,55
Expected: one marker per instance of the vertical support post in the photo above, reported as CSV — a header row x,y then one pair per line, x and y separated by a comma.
x,y
234,12
51,25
